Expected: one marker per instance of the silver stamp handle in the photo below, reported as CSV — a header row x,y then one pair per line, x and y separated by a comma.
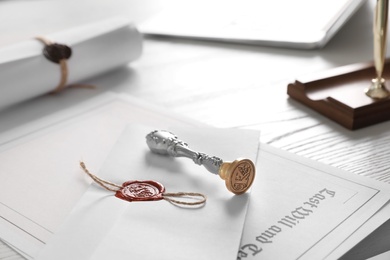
x,y
167,143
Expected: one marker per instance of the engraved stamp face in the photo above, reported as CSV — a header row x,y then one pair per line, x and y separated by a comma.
x,y
141,191
242,176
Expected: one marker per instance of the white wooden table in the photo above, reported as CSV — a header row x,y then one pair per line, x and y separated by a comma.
x,y
230,85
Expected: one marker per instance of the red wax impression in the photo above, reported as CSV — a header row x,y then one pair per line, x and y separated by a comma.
x,y
141,191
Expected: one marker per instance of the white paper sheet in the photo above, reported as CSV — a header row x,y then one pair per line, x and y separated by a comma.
x,y
96,48
104,227
366,229
49,153
39,172
254,21
304,209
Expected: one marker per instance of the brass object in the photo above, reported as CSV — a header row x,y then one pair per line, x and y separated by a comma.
x,y
238,175
378,90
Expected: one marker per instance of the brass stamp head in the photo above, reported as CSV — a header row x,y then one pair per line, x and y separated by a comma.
x,y
238,175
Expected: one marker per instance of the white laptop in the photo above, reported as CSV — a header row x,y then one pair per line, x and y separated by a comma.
x,y
305,24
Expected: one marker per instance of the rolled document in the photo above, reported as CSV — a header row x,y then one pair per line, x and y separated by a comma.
x,y
96,48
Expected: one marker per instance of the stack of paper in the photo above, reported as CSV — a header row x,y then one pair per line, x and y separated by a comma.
x,y
49,209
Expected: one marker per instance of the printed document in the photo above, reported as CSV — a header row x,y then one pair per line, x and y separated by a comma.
x,y
301,209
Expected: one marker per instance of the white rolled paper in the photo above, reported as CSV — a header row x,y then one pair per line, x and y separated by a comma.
x,y
96,48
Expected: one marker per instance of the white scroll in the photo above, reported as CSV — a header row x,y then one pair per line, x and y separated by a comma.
x,y
96,48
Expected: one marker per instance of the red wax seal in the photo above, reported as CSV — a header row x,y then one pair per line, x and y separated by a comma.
x,y
141,191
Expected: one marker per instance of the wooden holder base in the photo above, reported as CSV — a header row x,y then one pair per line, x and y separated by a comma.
x,y
339,95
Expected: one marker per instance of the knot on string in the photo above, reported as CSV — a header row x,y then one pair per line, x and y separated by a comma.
x,y
60,53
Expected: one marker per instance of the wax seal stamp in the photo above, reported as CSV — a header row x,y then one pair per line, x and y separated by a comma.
x,y
238,175
141,191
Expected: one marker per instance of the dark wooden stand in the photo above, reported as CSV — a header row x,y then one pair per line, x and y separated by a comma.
x,y
339,95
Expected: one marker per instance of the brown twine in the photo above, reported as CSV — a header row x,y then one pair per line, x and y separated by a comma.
x,y
64,71
166,196
105,184
183,195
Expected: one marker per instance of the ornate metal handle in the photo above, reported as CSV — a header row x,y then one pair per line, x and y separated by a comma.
x,y
238,175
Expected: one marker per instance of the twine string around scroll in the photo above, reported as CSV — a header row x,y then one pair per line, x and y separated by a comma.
x,y
60,53
151,193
